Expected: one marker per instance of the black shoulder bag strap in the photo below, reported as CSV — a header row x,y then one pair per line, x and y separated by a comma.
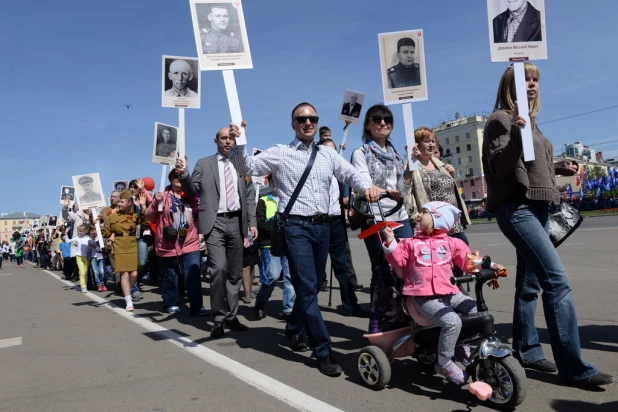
x,y
302,181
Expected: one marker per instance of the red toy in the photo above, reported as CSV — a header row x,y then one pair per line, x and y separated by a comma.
x,y
149,184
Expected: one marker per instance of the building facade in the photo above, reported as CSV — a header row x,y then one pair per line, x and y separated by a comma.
x,y
462,141
12,222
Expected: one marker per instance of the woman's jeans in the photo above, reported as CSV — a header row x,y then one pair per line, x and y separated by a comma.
x,y
271,269
98,268
539,268
189,265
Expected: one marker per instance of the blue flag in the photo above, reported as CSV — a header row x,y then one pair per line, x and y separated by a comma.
x,y
598,192
581,192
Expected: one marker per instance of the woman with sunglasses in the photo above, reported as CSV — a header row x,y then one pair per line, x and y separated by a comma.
x,y
378,161
519,193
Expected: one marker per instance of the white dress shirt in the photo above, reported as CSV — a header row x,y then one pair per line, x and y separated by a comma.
x,y
287,164
223,198
334,209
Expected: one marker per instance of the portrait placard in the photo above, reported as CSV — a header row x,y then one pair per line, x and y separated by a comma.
x,y
53,221
220,34
352,106
120,185
517,30
181,82
89,191
164,144
402,60
44,220
67,191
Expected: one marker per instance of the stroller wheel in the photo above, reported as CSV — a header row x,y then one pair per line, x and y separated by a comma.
x,y
374,367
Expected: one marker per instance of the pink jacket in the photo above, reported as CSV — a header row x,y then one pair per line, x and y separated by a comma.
x,y
427,263
163,219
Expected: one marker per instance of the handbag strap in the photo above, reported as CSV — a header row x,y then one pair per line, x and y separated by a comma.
x,y
302,180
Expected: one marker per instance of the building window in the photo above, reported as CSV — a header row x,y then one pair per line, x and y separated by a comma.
x,y
463,195
458,161
457,150
447,141
473,195
448,152
469,147
471,171
467,136
460,173
456,138
469,159
472,183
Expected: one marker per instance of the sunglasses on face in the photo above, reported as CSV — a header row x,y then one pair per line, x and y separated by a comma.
x,y
303,119
378,119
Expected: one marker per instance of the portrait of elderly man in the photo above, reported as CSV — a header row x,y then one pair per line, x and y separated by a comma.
x,y
352,108
120,186
406,73
215,34
88,195
166,146
520,22
180,74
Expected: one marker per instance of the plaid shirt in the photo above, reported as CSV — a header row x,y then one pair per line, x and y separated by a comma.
x,y
513,22
287,164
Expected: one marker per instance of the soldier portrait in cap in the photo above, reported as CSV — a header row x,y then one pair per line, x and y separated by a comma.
x,y
220,34
67,192
88,190
516,30
164,147
352,106
181,82
402,59
120,185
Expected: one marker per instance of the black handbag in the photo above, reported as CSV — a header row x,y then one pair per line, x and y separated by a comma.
x,y
276,237
563,223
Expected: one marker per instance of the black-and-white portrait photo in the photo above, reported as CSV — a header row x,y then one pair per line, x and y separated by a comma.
x,y
120,185
165,143
512,24
53,221
352,106
67,192
181,82
220,30
44,220
402,59
88,190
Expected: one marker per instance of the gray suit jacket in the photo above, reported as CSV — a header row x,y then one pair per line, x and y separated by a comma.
x,y
205,181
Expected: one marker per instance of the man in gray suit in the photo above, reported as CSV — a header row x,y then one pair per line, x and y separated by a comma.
x,y
226,216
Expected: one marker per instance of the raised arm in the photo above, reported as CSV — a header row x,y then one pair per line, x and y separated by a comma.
x,y
264,164
502,144
191,185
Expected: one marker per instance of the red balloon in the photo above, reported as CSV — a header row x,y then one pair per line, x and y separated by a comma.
x,y
149,184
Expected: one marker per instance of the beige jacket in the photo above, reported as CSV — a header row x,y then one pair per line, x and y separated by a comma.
x,y
419,191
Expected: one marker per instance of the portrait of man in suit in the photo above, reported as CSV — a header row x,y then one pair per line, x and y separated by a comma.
x,y
226,217
352,108
520,22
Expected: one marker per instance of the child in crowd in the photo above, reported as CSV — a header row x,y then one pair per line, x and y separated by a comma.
x,y
65,250
97,263
83,242
425,263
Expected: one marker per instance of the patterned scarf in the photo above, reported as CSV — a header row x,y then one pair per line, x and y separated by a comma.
x,y
381,164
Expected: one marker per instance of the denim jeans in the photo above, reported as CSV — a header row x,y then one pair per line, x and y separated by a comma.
x,y
99,271
306,247
271,269
539,268
189,265
337,251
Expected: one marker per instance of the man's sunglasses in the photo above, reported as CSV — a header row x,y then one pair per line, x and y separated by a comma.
x,y
303,119
378,119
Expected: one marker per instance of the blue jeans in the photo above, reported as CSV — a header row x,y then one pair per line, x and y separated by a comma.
x,y
189,265
271,269
306,247
539,268
98,270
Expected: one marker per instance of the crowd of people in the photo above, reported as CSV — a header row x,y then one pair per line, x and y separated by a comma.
x,y
208,224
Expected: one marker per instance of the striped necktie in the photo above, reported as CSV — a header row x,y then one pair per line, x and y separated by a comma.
x,y
229,186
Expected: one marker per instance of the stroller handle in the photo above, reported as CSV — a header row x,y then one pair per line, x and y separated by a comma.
x,y
357,207
485,274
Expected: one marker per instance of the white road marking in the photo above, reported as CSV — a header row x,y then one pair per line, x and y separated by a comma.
x,y
5,274
7,343
270,386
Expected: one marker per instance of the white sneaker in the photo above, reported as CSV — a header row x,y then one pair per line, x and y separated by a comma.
x,y
84,290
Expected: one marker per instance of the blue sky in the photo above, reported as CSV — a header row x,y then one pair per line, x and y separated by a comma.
x,y
69,67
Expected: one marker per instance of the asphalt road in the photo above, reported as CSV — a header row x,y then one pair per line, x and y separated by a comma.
x,y
61,350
